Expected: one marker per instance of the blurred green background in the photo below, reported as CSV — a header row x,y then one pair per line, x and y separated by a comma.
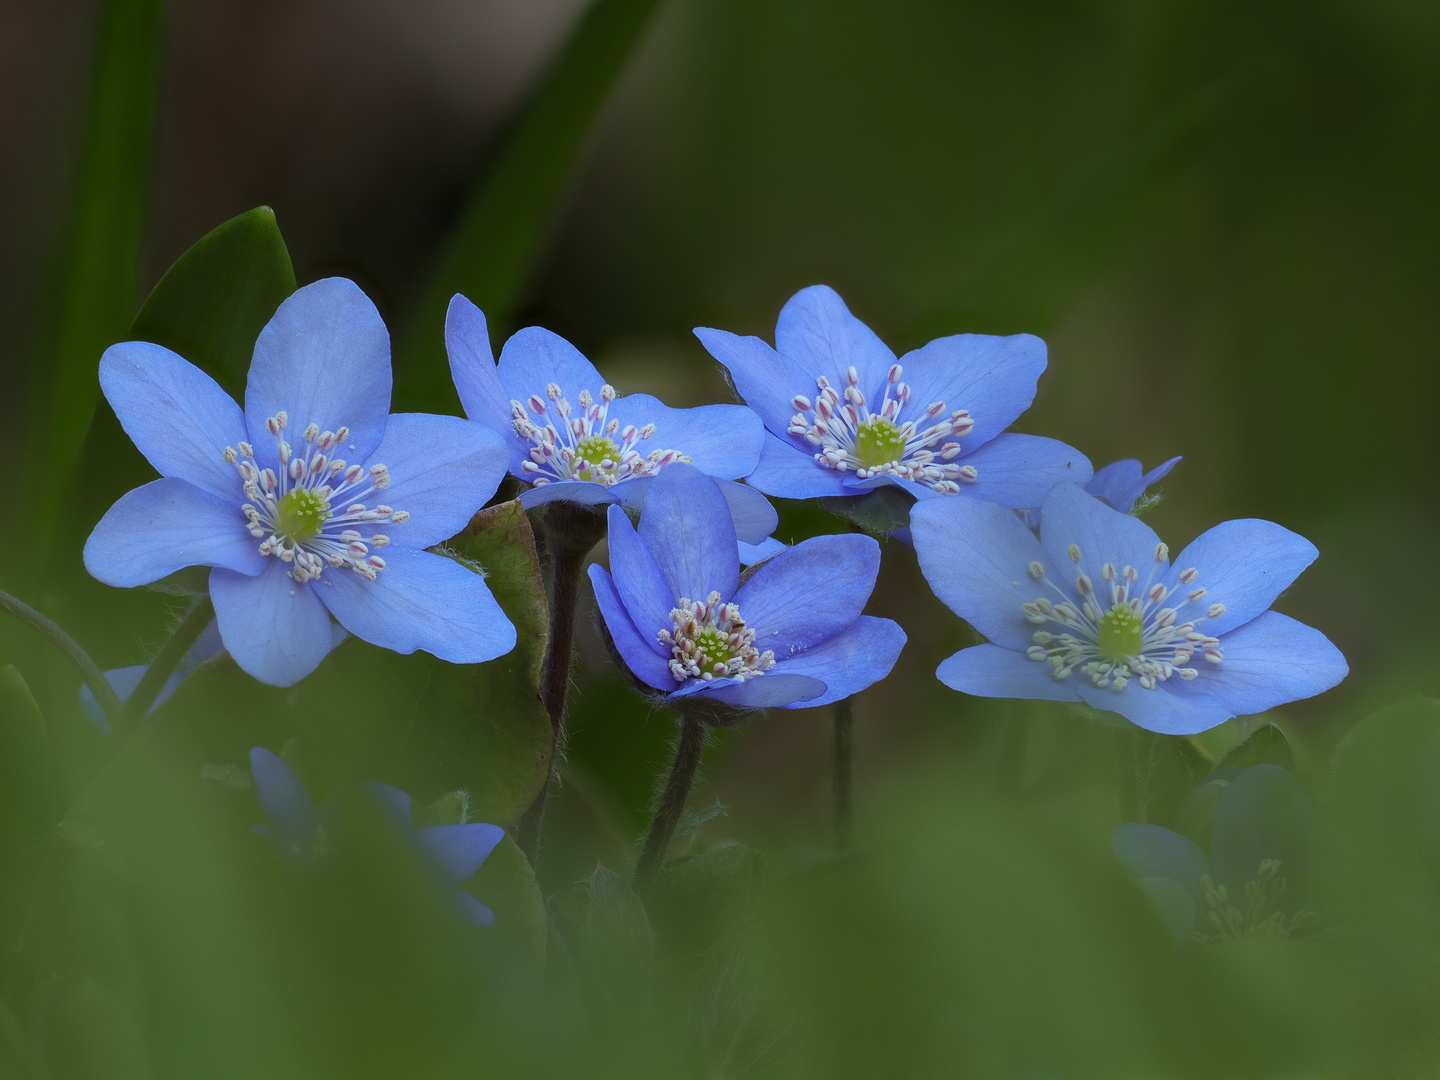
x,y
1221,217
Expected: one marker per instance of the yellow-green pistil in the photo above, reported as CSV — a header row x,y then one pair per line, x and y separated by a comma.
x,y
596,449
1122,633
300,515
878,441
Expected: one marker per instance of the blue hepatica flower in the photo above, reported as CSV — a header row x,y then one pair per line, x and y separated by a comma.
x,y
791,636
297,828
291,500
1122,484
844,415
124,680
1253,882
1094,611
573,438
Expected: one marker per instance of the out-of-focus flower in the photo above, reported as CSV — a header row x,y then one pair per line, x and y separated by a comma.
x,y
791,636
1094,611
845,416
297,828
573,438
1254,882
293,530
124,680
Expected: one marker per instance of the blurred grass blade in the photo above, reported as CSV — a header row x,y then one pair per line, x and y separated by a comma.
x,y
99,284
216,298
494,245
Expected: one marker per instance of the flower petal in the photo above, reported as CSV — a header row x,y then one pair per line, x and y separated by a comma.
x,y
975,556
859,656
1017,470
643,655
638,581
472,366
687,527
165,525
175,414
584,492
750,554
817,331
1163,709
324,359
421,601
788,473
721,440
1271,660
773,691
993,377
765,379
750,512
1244,565
1121,485
460,849
442,470
534,358
395,802
1154,851
473,909
284,800
276,629
809,593
1102,533
990,671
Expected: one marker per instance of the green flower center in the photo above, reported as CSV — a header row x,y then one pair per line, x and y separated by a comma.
x,y
595,449
301,515
1121,633
878,442
715,645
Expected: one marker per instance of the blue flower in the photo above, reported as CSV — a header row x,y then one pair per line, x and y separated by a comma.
x,y
1094,611
791,636
1254,882
297,829
124,680
575,440
293,529
845,416
1121,484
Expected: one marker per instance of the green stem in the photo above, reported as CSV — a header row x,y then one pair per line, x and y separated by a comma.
x,y
166,661
689,749
89,670
843,761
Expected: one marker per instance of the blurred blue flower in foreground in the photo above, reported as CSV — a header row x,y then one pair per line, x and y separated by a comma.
x,y
297,829
293,531
845,416
1254,882
1093,611
576,440
124,680
791,636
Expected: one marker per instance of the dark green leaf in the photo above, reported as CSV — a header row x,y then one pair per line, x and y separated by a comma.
x,y
507,884
1266,745
216,298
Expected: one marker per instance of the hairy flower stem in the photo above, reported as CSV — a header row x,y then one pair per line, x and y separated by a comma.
x,y
89,670
1136,752
571,531
167,660
843,762
689,749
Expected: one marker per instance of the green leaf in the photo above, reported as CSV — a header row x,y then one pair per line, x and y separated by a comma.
x,y
216,298
877,512
507,884
494,246
1266,745
26,799
99,285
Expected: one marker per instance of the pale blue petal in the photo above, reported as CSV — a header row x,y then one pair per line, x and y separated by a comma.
x,y
721,440
395,802
473,910
809,593
859,656
1121,484
534,358
460,849
123,681
584,492
788,473
1103,535
993,377
1244,565
283,798
1154,851
765,379
442,470
1174,907
324,359
1017,470
642,653
175,414
1269,661
276,629
990,671
421,601
638,581
1165,709
750,554
773,691
751,513
686,525
165,525
472,366
975,555
817,331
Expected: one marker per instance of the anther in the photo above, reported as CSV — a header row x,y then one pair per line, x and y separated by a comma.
x,y
1074,552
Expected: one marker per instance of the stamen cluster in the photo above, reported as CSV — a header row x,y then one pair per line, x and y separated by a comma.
x,y
852,437
711,640
290,511
584,446
1136,638
1259,919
